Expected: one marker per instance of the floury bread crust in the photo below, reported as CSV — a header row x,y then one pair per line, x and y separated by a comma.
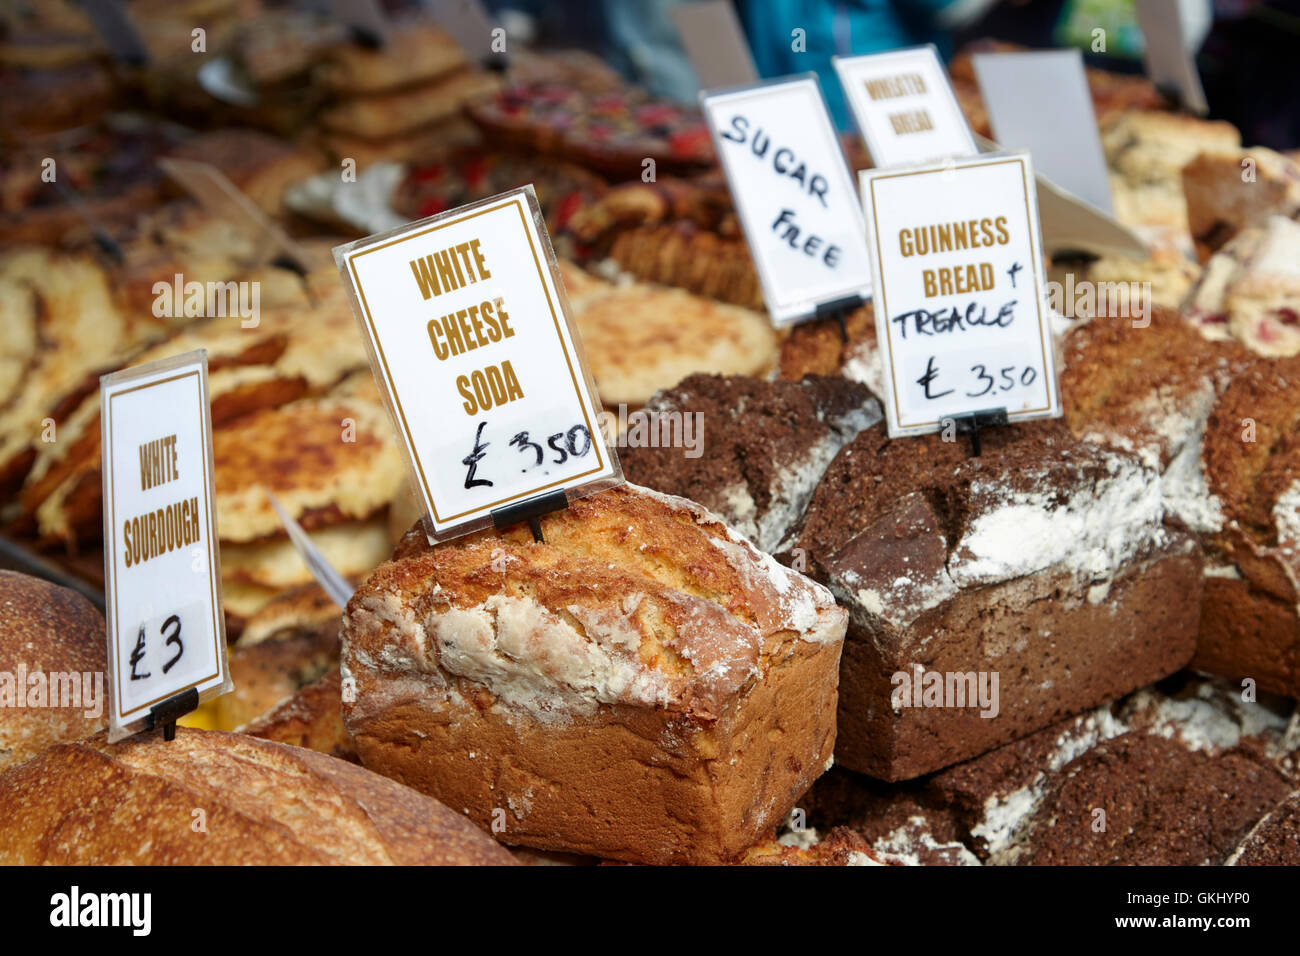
x,y
1045,562
764,446
1183,772
644,686
1148,391
57,634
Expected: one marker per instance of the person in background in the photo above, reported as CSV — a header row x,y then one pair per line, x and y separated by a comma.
x,y
845,28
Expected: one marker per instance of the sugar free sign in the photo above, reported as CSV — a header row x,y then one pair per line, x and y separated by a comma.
x,y
959,302
793,193
481,369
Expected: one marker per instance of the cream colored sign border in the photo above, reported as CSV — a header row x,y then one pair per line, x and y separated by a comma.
x,y
198,358
869,178
481,513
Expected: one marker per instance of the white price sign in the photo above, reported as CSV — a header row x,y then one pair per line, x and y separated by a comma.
x,y
166,631
481,368
793,193
904,106
960,305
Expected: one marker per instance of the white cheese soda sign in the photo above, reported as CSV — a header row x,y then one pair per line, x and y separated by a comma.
x,y
166,629
793,193
482,371
960,308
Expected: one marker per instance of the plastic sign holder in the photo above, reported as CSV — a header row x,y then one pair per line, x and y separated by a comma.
x,y
162,583
480,365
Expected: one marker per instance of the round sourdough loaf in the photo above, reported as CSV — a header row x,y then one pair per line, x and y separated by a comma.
x,y
210,797
52,651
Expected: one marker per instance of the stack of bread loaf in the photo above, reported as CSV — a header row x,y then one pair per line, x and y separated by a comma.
x,y
787,640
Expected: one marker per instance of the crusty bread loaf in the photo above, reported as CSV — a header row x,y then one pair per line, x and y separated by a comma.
x,y
643,686
210,797
52,640
311,718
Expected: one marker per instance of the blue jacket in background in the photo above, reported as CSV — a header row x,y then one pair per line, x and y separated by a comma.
x,y
836,28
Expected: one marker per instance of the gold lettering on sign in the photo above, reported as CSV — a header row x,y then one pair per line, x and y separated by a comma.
x,y
889,87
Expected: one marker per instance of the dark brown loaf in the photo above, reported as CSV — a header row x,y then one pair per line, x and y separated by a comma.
x,y
49,630
210,797
1040,563
1250,627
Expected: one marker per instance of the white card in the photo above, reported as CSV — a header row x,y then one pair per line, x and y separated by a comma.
x,y
1172,36
904,106
960,308
714,42
793,194
1039,101
162,583
483,372
467,22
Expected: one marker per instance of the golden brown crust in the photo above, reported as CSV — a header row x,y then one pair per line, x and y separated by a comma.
x,y
644,685
820,348
384,115
641,338
55,631
840,847
301,454
209,797
262,167
266,674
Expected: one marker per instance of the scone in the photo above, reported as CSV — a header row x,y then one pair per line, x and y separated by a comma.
x,y
644,686
640,338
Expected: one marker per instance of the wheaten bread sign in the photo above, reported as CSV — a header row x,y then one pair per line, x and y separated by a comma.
x,y
166,631
904,106
481,369
960,309
793,192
